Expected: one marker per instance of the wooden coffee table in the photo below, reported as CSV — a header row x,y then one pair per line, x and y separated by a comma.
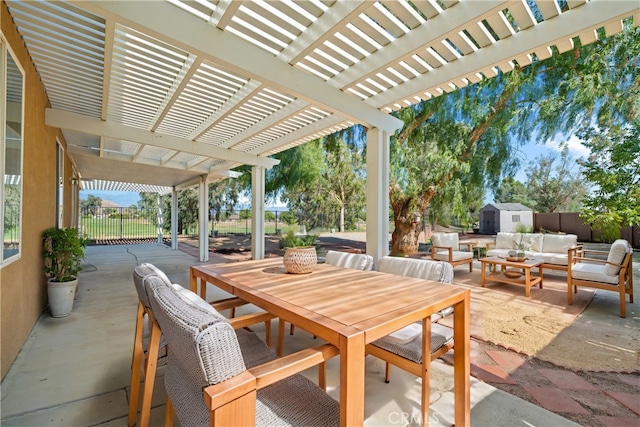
x,y
512,268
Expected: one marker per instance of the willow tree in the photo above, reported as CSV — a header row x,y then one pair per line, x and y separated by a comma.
x,y
322,176
470,136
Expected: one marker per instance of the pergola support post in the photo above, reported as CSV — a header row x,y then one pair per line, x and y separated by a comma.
x,y
377,193
160,221
203,219
174,219
257,212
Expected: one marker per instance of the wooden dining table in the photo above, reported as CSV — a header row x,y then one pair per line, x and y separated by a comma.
x,y
349,309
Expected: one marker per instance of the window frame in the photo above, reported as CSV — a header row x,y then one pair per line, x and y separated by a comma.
x,y
5,51
59,187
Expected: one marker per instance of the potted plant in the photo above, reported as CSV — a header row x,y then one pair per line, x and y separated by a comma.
x,y
300,253
62,252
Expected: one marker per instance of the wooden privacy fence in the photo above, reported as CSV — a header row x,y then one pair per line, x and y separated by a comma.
x,y
571,223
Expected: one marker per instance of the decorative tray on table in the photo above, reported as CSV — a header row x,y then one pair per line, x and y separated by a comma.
x,y
513,258
512,273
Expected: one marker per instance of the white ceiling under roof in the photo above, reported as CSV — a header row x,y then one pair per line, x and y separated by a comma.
x,y
162,92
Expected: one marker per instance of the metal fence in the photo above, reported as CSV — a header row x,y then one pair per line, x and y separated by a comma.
x,y
108,224
571,223
101,225
11,224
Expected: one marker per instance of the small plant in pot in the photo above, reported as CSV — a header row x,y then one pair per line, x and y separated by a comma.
x,y
62,252
300,253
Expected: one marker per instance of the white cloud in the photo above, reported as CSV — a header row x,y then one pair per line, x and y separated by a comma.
x,y
575,146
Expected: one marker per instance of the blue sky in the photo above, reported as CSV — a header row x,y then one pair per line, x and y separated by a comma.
x,y
529,153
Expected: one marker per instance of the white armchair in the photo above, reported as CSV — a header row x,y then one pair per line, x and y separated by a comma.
x,y
615,273
446,247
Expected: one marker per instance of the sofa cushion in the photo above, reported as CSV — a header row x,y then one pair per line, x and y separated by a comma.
x,y
553,258
533,241
616,254
455,255
507,240
497,252
592,272
559,243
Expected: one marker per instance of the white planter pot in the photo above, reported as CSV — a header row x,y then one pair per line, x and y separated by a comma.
x,y
61,296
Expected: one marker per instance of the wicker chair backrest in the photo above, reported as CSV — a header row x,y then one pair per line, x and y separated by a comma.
x,y
203,350
143,271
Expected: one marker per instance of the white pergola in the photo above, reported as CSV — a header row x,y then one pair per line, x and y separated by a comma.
x,y
177,93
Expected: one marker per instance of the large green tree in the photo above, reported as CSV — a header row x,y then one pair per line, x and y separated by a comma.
x,y
613,169
343,178
553,183
90,205
513,191
320,179
470,136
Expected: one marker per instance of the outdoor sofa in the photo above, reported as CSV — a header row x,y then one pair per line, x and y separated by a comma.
x,y
552,248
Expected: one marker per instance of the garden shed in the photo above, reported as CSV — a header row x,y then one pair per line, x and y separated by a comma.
x,y
495,217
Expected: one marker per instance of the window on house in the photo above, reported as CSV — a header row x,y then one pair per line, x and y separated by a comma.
x,y
515,218
11,114
59,184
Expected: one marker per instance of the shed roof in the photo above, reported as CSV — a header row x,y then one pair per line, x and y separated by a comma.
x,y
509,207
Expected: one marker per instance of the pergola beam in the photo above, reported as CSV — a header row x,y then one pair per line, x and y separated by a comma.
x,y
65,120
595,14
230,51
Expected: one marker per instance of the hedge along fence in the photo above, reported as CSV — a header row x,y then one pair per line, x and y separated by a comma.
x,y
116,223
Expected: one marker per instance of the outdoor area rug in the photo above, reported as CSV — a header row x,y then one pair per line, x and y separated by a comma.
x,y
539,326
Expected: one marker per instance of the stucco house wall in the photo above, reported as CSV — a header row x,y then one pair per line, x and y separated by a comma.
x,y
23,295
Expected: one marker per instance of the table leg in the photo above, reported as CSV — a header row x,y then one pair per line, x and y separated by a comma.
x,y
193,284
483,267
541,275
527,282
461,361
352,380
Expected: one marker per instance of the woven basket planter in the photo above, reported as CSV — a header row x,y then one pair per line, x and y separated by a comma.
x,y
300,260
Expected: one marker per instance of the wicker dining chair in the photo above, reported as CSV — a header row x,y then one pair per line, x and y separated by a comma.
x,y
149,346
153,355
404,348
217,376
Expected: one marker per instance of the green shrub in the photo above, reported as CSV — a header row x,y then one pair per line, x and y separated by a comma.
x,y
522,228
290,240
62,252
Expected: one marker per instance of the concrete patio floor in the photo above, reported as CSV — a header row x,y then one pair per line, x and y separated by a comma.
x,y
75,371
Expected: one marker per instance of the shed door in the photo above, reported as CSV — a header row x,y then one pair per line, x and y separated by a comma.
x,y
489,222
